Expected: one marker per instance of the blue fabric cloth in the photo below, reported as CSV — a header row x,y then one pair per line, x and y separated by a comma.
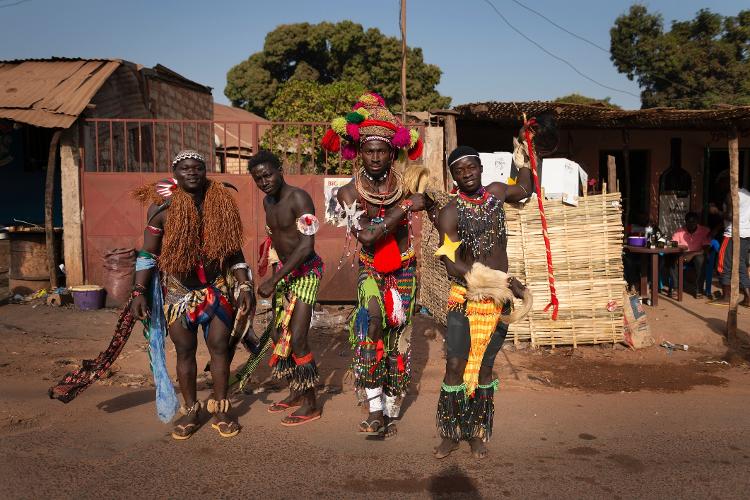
x,y
155,332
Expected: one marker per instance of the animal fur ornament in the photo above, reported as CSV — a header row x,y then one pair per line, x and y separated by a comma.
x,y
484,283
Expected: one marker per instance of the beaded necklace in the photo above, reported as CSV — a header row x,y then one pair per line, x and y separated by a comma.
x,y
481,222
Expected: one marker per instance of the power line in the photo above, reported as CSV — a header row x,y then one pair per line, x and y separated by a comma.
x,y
553,23
554,56
15,3
594,44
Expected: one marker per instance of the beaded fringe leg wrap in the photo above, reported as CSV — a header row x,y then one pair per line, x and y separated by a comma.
x,y
369,373
450,410
304,377
284,368
479,412
397,379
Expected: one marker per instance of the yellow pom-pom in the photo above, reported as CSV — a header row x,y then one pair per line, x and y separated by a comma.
x,y
339,125
362,111
413,137
369,100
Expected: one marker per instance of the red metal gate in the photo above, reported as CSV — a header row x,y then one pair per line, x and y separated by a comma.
x,y
121,155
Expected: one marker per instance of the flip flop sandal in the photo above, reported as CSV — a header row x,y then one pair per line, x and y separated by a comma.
x,y
370,430
281,407
227,425
295,420
187,430
385,431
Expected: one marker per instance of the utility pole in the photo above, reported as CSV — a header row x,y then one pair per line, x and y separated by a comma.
x,y
403,61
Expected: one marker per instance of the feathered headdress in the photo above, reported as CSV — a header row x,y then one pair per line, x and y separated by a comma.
x,y
370,120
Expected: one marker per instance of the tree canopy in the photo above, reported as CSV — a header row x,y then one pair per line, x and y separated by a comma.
x,y
326,53
698,63
576,98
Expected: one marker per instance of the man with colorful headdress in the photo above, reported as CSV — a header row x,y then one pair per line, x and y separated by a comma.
x,y
192,250
473,230
291,225
377,210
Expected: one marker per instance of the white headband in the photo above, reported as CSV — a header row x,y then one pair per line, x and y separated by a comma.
x,y
461,158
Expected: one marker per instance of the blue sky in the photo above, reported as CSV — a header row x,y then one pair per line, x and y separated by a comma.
x,y
481,58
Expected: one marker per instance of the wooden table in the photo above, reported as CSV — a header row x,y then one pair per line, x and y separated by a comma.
x,y
654,253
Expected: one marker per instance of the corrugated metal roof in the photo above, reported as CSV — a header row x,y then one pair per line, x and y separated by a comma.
x,y
580,115
52,92
227,128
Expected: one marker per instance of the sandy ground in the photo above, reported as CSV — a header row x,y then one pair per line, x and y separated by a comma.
x,y
596,422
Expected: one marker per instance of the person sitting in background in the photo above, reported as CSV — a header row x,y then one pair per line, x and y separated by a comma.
x,y
695,239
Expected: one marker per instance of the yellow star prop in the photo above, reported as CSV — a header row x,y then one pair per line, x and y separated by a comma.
x,y
448,249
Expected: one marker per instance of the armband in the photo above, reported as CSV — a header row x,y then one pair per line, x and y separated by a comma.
x,y
308,224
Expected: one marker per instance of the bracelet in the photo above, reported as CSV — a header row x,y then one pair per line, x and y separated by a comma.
x,y
245,286
243,265
136,293
524,189
139,288
406,205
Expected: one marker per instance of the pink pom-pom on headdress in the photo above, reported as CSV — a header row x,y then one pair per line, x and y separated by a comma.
x,y
379,98
352,129
401,139
348,152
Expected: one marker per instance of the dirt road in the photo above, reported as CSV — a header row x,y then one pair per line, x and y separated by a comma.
x,y
596,423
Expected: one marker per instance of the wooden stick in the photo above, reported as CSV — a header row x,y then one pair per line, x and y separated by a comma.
x,y
48,202
734,181
611,174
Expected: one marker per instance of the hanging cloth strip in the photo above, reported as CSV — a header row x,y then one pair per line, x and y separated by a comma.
x,y
155,331
91,370
554,302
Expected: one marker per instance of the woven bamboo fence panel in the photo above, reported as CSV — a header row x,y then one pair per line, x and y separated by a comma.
x,y
586,243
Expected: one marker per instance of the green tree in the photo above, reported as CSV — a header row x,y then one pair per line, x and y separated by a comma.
x,y
698,63
327,53
309,101
576,98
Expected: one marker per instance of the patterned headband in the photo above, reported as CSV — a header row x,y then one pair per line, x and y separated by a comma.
x,y
188,154
367,138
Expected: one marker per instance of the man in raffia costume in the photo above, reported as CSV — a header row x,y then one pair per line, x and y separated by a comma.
x,y
377,211
192,248
473,230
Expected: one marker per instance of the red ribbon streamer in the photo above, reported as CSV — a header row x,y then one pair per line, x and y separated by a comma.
x,y
554,303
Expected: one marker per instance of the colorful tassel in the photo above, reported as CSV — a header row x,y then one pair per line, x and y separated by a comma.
x,y
348,152
339,125
354,117
413,137
396,314
331,141
362,323
416,151
401,138
352,130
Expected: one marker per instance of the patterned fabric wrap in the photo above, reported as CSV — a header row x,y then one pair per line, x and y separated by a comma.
x,y
302,284
384,363
91,370
197,307
483,317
